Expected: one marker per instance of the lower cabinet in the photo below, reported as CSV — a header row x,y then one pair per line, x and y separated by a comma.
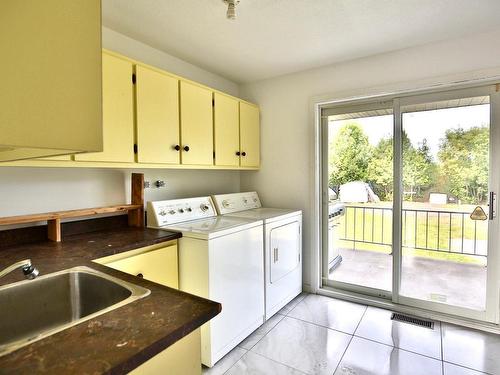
x,y
159,263
182,358
154,263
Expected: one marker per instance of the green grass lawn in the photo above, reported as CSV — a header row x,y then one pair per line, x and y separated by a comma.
x,y
420,230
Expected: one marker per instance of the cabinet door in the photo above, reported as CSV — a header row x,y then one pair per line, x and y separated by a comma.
x,y
181,358
226,130
157,100
51,78
159,266
196,125
249,135
118,112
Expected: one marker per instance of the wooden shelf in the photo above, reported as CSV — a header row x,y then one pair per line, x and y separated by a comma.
x,y
135,212
58,215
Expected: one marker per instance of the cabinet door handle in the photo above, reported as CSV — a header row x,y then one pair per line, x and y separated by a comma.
x,y
186,148
177,148
238,153
140,275
244,153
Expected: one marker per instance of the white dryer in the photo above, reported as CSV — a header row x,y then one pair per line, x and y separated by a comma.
x,y
220,258
282,245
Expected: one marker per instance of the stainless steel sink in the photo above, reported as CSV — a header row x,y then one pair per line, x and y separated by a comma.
x,y
33,309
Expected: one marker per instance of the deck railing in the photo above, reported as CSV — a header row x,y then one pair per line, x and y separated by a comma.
x,y
422,229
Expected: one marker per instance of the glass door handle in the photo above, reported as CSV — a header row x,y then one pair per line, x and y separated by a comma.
x,y
492,206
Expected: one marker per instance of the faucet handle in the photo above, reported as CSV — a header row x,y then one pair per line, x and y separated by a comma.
x,y
30,272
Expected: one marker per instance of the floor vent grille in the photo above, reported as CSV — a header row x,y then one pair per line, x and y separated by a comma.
x,y
412,320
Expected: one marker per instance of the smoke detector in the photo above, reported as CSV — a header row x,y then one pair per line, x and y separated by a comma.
x,y
231,8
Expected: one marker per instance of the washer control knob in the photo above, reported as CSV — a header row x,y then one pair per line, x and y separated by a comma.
x,y
162,213
204,207
189,209
225,204
181,211
171,212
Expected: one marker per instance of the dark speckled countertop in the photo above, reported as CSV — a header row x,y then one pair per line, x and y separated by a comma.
x,y
120,340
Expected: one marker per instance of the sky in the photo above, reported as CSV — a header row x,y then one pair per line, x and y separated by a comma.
x,y
419,125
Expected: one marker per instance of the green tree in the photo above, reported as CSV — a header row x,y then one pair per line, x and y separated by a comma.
x,y
350,154
463,156
380,169
418,168
419,171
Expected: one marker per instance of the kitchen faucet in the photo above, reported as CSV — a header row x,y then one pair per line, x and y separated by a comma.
x,y
29,271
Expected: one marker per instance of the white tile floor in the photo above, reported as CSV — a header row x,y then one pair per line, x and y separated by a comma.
x,y
320,335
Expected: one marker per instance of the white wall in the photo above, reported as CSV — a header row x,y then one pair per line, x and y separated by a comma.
x,y
32,190
287,127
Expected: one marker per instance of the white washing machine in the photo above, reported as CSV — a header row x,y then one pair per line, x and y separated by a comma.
x,y
282,245
220,258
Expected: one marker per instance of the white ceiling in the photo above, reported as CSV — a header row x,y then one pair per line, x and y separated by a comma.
x,y
276,37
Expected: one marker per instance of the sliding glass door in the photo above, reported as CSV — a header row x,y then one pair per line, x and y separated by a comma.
x,y
359,202
445,212
408,207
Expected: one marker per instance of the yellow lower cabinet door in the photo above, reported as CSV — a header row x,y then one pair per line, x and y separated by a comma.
x,y
118,112
159,266
181,358
226,130
196,124
249,135
157,98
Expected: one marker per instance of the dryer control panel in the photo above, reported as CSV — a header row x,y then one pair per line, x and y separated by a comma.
x,y
161,213
229,203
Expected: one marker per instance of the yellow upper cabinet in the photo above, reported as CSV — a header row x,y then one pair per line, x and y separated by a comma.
x,y
196,124
249,135
51,78
118,112
58,158
226,130
157,101
160,121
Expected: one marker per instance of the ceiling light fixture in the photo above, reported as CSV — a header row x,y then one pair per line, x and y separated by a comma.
x,y
231,8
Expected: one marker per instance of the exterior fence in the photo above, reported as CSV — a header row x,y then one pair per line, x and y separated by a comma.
x,y
422,229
